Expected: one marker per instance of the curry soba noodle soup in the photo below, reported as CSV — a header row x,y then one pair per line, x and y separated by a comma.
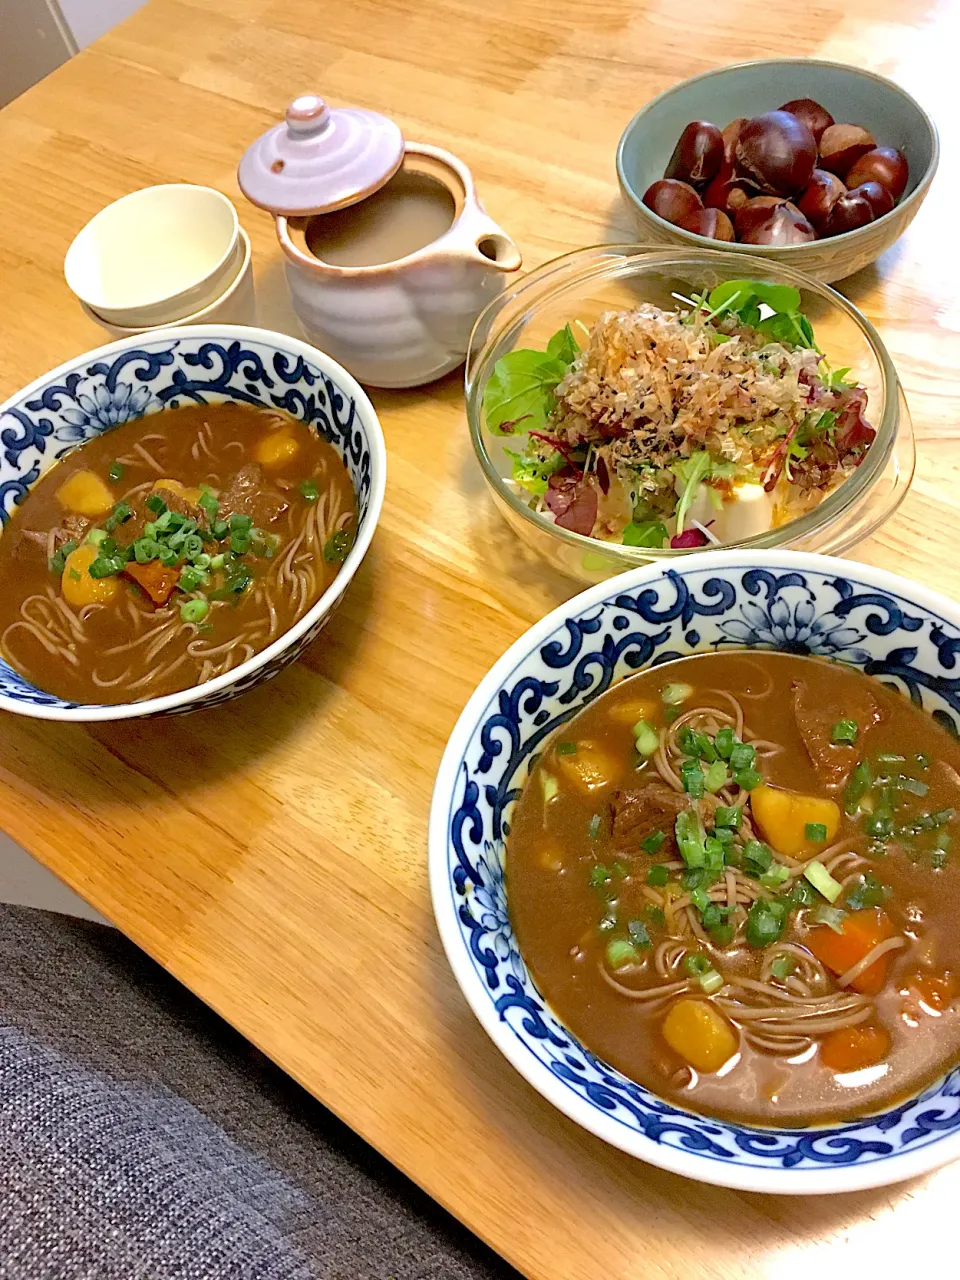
x,y
732,878
169,550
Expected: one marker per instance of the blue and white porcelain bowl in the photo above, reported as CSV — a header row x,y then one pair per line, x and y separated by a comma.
x,y
797,602
197,364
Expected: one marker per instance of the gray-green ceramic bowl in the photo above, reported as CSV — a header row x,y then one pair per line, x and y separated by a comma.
x,y
750,88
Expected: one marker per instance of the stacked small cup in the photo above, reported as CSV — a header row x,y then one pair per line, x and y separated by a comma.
x,y
172,254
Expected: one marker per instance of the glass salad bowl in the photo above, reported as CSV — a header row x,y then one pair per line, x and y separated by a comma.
x,y
576,290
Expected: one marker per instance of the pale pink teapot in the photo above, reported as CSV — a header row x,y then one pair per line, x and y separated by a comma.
x,y
390,256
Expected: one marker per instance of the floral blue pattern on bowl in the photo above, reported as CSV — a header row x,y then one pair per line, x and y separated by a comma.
x,y
799,603
194,365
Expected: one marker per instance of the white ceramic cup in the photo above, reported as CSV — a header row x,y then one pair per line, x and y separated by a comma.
x,y
237,304
156,255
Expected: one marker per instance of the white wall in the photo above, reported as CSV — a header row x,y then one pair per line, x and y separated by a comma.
x,y
89,19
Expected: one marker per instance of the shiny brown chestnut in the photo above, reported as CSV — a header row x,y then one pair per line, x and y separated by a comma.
x,y
753,213
784,224
815,117
727,191
842,145
885,165
671,199
712,223
851,211
730,135
819,197
778,151
878,197
698,154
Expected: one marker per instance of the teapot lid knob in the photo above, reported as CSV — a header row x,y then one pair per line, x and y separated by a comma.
x,y
320,158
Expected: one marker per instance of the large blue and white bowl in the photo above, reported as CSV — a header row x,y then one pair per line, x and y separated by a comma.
x,y
202,364
799,603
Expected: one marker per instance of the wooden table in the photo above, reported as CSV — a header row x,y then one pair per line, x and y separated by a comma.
x,y
271,854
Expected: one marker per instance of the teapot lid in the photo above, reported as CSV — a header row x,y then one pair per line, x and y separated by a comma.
x,y
320,159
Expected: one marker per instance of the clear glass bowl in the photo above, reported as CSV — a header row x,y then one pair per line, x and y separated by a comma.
x,y
580,286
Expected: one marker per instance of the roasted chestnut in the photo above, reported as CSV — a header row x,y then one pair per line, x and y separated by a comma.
x,y
815,117
671,199
753,213
885,165
727,191
778,151
730,135
784,224
818,199
850,211
878,197
712,223
698,154
842,145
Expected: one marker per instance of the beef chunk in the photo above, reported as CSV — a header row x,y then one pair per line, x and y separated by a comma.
x,y
818,703
248,495
177,502
642,810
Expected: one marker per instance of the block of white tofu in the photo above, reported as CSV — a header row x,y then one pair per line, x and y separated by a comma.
x,y
748,512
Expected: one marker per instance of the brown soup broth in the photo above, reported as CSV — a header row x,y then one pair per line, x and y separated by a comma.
x,y
264,468
565,911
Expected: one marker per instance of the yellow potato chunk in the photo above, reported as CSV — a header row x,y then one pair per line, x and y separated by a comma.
x,y
86,494
700,1034
630,712
591,767
181,490
782,818
78,587
278,447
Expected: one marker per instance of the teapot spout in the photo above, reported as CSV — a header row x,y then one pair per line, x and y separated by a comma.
x,y
494,248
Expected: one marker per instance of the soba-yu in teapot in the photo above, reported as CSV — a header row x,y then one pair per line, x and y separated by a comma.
x,y
390,256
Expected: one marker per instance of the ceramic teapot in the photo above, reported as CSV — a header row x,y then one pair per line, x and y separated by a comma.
x,y
389,254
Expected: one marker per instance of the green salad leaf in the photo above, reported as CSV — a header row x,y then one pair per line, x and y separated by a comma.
x,y
834,379
645,533
787,324
532,473
520,389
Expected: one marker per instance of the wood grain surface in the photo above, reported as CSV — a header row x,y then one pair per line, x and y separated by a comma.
x,y
272,853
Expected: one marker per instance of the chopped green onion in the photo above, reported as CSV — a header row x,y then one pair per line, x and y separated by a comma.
x,y
692,777
938,859
646,738
107,566
240,523
844,732
758,854
652,842
889,759
310,491
594,828
155,504
218,561
696,964
831,916
638,934
670,714
620,952
816,832
802,894
219,529
943,840
743,756
775,876
566,748
867,892
699,899
822,880
96,536
655,915
674,694
782,967
765,922
725,741
879,824
698,745
336,548
713,850
710,982
59,558
728,816
551,788
922,760
716,776
943,816
697,878
599,876
713,916
620,870
209,504
658,876
861,780
912,785
191,578
608,921
748,779
690,838
117,472
145,549
194,610
121,512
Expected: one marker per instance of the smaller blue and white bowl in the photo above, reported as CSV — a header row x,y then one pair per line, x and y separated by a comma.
x,y
196,364
796,602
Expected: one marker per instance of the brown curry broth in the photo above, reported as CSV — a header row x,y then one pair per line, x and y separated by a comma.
x,y
555,913
24,567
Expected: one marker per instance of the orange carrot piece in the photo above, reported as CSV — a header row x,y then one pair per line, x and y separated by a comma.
x,y
158,581
936,990
853,1048
862,931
